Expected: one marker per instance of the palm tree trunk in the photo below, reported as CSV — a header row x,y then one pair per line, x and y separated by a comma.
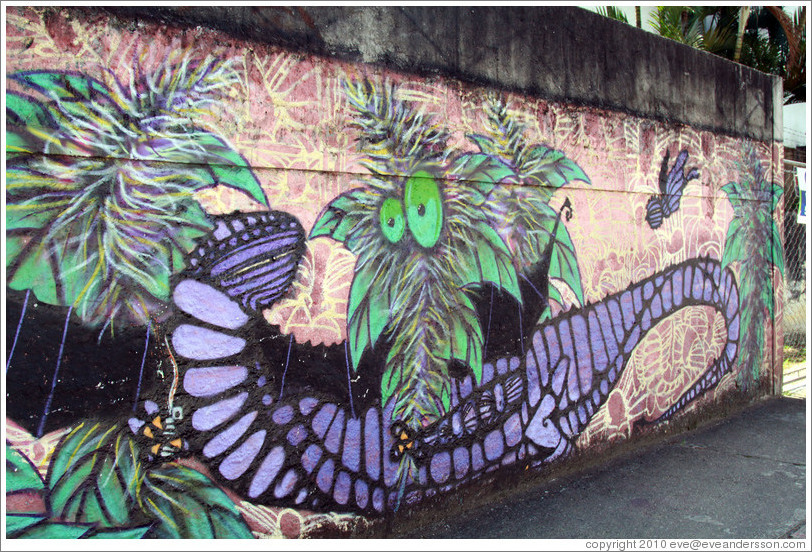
x,y
743,15
637,18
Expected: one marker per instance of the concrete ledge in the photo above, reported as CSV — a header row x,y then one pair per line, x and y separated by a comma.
x,y
558,53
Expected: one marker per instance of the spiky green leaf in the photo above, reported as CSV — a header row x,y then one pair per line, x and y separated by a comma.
x,y
21,475
63,86
188,505
466,341
338,218
484,143
564,263
777,249
368,312
777,193
487,260
482,171
735,243
17,523
128,533
228,166
22,111
55,530
548,167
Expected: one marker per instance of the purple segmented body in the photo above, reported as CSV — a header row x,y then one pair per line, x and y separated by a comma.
x,y
312,452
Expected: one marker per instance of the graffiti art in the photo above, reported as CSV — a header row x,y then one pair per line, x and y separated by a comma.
x,y
453,304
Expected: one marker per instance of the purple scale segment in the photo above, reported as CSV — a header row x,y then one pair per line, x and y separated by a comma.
x,y
361,493
676,289
297,435
565,427
656,308
559,374
637,295
501,366
215,414
582,415
311,457
199,343
487,373
322,419
209,381
236,463
223,440
477,460
533,384
286,485
332,442
494,445
307,405
461,462
627,308
686,277
666,296
582,350
573,419
208,304
341,493
283,415
596,342
441,467
377,499
551,339
513,430
372,444
352,445
616,317
324,479
572,382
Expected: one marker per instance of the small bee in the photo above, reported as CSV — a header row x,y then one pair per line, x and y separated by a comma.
x,y
159,436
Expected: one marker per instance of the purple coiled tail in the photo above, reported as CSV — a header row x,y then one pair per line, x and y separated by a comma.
x,y
309,451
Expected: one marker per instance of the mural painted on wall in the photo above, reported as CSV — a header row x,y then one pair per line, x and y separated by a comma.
x,y
312,294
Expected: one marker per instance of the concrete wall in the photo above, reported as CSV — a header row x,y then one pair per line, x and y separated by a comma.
x,y
300,270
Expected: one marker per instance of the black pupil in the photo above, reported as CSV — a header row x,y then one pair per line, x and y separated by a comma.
x,y
390,222
421,209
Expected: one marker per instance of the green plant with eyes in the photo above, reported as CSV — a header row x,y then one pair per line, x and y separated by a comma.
x,y
424,248
432,228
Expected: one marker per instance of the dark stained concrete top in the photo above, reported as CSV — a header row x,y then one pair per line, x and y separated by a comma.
x,y
558,53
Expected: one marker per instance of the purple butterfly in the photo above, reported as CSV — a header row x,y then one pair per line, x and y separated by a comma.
x,y
664,204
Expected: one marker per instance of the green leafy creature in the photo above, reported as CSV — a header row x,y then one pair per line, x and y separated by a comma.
x,y
431,227
100,180
420,232
754,241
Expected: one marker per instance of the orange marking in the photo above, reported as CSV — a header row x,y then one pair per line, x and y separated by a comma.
x,y
148,433
157,422
155,448
177,443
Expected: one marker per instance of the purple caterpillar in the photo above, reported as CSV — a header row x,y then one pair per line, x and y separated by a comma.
x,y
278,441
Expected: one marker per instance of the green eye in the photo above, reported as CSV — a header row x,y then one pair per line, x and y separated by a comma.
x,y
392,222
424,208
